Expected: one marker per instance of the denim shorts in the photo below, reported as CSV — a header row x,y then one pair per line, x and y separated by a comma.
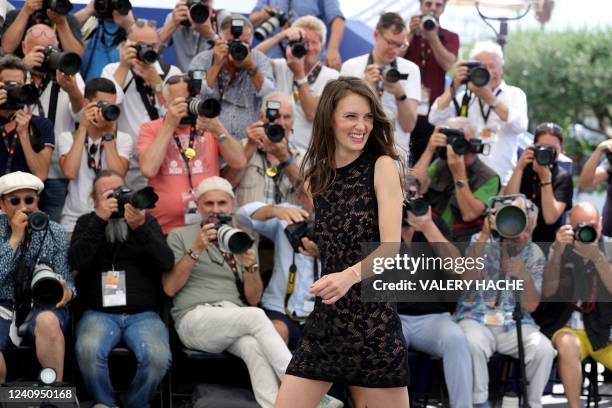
x,y
62,315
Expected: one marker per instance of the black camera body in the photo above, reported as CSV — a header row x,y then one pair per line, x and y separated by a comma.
x,y
456,138
146,53
67,62
477,73
110,112
295,232
37,221
237,49
277,19
585,233
61,7
104,8
392,74
274,131
298,48
545,155
429,22
144,199
19,95
417,205
198,11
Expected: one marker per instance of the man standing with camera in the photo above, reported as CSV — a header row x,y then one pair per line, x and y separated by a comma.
x,y
60,100
434,50
596,171
236,75
216,293
396,79
94,146
28,139
120,254
457,186
498,111
139,78
180,150
23,245
539,177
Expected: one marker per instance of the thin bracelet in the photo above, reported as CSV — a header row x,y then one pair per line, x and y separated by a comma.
x,y
357,274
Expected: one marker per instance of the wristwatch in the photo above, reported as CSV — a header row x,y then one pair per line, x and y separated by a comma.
x,y
252,269
108,137
193,255
221,138
284,164
495,104
302,81
460,183
158,87
252,72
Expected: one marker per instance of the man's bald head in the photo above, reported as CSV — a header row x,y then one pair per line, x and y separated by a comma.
x,y
586,213
39,35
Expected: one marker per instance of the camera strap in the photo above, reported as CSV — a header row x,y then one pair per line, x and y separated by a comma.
x,y
146,93
291,287
187,153
224,80
91,159
485,116
230,259
11,146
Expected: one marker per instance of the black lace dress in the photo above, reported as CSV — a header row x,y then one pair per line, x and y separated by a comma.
x,y
350,342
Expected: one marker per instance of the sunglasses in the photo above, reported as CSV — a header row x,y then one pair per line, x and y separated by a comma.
x,y
141,22
28,200
175,79
549,128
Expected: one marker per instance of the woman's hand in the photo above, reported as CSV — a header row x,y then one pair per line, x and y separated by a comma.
x,y
333,286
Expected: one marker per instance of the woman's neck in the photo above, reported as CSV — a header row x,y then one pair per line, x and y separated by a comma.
x,y
345,157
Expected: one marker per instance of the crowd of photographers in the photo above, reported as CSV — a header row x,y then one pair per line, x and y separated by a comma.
x,y
125,179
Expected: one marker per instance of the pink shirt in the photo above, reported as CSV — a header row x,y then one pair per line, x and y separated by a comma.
x,y
172,181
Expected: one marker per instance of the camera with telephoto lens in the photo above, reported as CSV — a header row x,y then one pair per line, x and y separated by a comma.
x,y
274,131
110,112
298,48
545,155
19,95
231,239
37,221
429,22
61,7
585,233
144,199
237,49
46,285
477,73
146,53
67,62
456,138
295,232
209,108
277,19
510,219
104,8
198,11
392,74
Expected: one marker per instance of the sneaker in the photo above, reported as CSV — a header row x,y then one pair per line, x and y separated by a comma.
x,y
330,402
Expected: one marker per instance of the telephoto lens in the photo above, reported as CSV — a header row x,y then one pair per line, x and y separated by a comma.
x,y
61,7
209,108
418,206
429,22
67,62
585,233
47,290
198,11
276,20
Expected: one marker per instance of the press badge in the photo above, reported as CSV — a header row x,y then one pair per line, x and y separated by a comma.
x,y
494,318
113,289
192,216
489,134
423,108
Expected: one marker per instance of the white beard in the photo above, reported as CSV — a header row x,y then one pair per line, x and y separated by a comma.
x,y
116,230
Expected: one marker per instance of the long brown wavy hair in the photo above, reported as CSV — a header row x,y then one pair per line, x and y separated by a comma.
x,y
318,167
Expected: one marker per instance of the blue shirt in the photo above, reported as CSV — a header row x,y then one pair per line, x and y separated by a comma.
x,y
54,249
326,10
274,295
100,50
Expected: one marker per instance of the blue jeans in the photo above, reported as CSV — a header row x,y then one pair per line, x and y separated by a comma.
x,y
437,334
52,198
143,333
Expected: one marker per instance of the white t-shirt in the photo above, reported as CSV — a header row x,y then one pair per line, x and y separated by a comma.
x,y
412,88
302,127
79,201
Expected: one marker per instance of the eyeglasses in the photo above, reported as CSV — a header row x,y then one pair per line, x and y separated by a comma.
x,y
430,4
141,22
401,46
175,79
38,32
28,200
550,128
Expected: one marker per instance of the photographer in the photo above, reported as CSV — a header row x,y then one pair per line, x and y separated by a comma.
x,y
21,249
272,167
94,146
594,173
302,78
61,99
400,98
434,49
120,262
456,186
239,85
19,21
327,11
139,86
215,294
486,316
538,176
28,139
189,38
497,110
180,150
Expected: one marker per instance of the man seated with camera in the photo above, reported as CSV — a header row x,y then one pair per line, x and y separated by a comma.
x,y
594,172
183,148
55,14
139,79
191,28
434,49
577,287
216,287
236,75
300,75
35,279
497,110
273,160
120,254
458,184
492,317
94,146
538,176
397,80
60,86
28,139
104,24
